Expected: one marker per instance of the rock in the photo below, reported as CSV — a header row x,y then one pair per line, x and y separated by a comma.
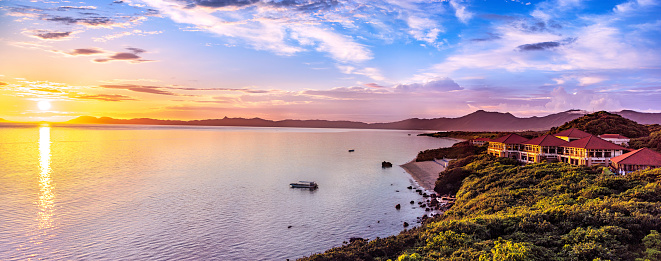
x,y
386,164
398,206
354,239
406,224
412,202
396,190
289,226
409,187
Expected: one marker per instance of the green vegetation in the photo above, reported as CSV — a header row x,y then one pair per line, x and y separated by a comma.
x,y
605,123
545,211
458,150
653,127
653,141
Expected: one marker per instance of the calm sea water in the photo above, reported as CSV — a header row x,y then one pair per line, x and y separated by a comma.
x,y
98,192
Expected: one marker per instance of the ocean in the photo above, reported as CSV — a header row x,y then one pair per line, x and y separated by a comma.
x,y
135,192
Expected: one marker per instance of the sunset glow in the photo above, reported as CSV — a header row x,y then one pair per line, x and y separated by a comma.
x,y
44,105
372,61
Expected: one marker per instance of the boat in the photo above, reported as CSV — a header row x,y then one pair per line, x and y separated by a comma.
x,y
352,150
304,184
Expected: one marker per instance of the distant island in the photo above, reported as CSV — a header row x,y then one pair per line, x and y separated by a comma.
x,y
477,121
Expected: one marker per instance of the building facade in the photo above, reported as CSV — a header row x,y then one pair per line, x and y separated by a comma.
x,y
571,146
508,146
637,160
616,138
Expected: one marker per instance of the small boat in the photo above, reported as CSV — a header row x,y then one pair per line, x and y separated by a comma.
x,y
304,184
352,150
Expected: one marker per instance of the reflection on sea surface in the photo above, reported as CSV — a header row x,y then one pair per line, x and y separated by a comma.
x,y
198,193
46,196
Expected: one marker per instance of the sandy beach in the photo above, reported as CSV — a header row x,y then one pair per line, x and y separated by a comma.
x,y
425,173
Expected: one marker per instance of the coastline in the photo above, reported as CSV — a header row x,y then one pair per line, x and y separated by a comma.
x,y
425,173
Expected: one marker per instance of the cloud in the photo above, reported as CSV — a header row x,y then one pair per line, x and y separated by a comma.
x,y
633,6
136,50
373,85
103,97
460,11
561,100
127,33
351,93
3,83
86,51
370,72
132,57
76,15
67,8
531,45
538,46
49,90
48,35
140,88
589,80
90,21
339,29
423,29
545,45
435,85
224,3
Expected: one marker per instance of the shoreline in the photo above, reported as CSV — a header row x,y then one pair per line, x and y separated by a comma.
x,y
425,173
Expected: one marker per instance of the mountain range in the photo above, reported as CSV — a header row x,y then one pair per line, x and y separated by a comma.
x,y
477,121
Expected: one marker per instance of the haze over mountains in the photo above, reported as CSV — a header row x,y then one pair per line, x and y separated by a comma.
x,y
476,121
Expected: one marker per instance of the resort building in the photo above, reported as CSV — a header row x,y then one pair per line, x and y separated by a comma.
x,y
571,146
572,134
479,141
615,138
544,148
508,146
590,151
636,160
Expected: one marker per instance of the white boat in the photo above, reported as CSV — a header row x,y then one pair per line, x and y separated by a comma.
x,y
304,184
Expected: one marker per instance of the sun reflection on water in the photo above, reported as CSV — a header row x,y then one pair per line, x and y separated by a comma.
x,y
46,196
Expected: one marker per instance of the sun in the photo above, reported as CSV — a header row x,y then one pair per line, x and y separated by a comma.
x,y
44,105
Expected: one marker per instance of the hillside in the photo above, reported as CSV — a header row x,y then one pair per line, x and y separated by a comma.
x,y
476,121
653,141
641,117
604,122
533,212
485,121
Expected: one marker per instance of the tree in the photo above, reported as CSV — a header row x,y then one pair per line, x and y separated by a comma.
x,y
605,123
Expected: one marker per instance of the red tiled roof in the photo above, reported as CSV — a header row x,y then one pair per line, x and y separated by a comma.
x,y
511,138
612,136
644,157
573,133
547,140
594,143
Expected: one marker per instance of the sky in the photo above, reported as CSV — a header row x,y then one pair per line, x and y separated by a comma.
x,y
370,61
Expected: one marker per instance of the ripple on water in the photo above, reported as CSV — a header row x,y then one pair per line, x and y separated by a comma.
x,y
169,193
